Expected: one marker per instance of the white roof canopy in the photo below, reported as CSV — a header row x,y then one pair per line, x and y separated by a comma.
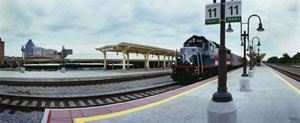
x,y
136,48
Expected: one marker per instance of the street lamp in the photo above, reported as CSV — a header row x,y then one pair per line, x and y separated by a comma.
x,y
63,58
22,49
63,69
243,40
22,64
222,107
229,29
251,50
246,35
257,56
222,95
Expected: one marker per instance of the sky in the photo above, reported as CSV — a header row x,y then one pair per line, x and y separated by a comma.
x,y
83,25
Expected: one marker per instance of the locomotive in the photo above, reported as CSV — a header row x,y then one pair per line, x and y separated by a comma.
x,y
198,59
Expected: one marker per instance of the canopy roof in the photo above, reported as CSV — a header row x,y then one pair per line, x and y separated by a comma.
x,y
137,48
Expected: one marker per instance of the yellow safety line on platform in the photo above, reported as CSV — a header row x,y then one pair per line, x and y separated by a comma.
x,y
82,120
286,82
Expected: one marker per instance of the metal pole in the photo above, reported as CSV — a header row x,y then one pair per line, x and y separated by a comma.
x,y
245,60
63,58
22,59
251,60
222,95
22,56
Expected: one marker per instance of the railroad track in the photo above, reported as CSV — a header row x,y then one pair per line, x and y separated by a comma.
x,y
29,103
80,83
286,72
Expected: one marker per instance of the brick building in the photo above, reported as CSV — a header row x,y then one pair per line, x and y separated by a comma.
x,y
1,51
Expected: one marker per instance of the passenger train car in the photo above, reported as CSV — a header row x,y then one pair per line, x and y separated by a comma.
x,y
73,66
68,66
199,59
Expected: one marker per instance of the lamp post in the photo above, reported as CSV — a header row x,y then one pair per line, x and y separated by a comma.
x,y
244,36
257,52
251,47
63,69
222,95
22,63
245,81
222,107
22,49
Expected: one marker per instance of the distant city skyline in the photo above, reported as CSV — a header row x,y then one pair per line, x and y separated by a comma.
x,y
85,25
33,51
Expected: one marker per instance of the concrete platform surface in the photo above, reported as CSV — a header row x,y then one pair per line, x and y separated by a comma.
x,y
274,98
57,76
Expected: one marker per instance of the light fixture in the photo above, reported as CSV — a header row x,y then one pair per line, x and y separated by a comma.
x,y
260,28
229,29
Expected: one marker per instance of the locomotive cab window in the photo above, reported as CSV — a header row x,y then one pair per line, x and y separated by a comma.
x,y
205,46
212,48
199,43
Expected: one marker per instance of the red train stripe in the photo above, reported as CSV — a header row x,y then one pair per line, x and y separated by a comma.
x,y
217,59
194,66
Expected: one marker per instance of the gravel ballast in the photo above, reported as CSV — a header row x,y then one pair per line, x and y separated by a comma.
x,y
36,116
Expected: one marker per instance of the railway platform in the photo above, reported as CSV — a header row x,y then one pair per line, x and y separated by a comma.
x,y
70,76
274,98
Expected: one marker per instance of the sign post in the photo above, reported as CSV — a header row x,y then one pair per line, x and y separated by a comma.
x,y
222,108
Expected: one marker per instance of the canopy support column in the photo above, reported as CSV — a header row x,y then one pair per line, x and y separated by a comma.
x,y
147,62
169,62
105,64
124,53
127,61
164,62
158,64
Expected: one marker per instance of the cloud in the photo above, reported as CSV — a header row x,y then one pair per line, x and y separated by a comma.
x,y
83,25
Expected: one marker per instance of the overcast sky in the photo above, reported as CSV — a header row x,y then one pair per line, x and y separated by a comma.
x,y
84,25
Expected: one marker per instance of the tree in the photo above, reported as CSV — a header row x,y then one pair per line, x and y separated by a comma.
x,y
296,58
273,59
285,58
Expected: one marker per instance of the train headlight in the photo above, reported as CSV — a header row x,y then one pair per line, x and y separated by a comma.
x,y
191,63
192,58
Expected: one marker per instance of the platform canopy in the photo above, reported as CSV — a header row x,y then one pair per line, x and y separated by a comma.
x,y
127,48
137,48
258,57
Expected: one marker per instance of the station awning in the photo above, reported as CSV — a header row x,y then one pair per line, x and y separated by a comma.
x,y
137,48
129,48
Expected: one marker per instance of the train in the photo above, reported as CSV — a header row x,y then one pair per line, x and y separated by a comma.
x,y
198,60
72,66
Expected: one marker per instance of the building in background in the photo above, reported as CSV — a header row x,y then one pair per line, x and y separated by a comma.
x,y
28,51
67,52
1,51
34,52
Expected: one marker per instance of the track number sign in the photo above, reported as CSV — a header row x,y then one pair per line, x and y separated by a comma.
x,y
233,12
212,13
